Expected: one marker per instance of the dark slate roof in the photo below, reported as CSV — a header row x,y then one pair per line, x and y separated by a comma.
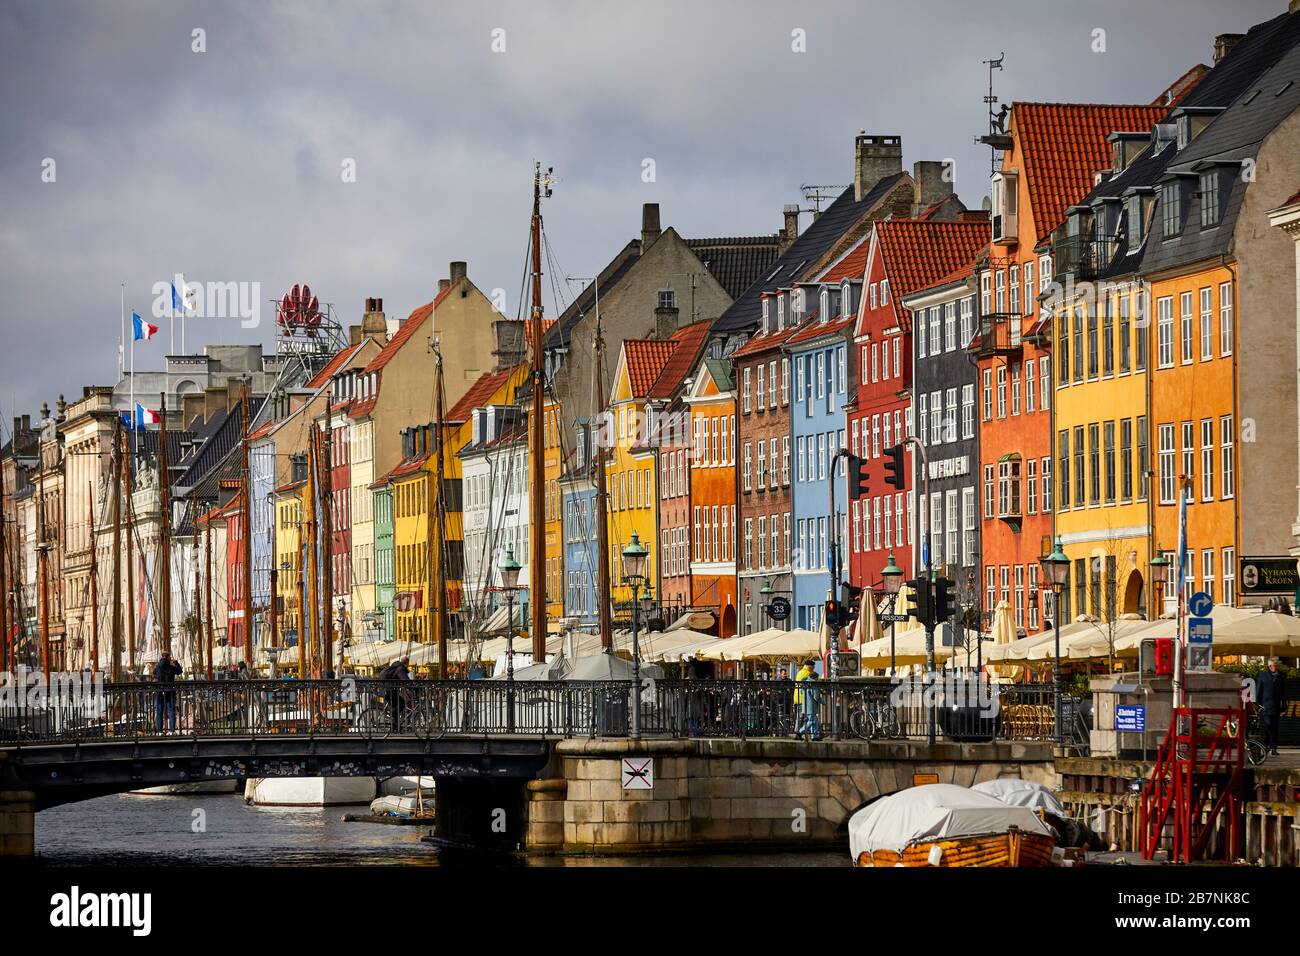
x,y
1236,134
736,262
558,336
805,253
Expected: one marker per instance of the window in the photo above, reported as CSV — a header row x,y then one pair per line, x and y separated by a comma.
x,y
1141,320
1094,464
1126,460
772,452
842,354
1171,210
800,466
1107,337
898,341
1207,459
1045,382
990,586
1209,199
936,528
1168,480
1031,486
1046,479
1165,332
1063,454
1009,488
936,344
1125,334
898,519
1227,461
873,295
936,417
1078,346
967,413
1207,571
749,484
1188,336
1015,389
1229,575
1109,431
1225,329
1000,291
919,327
745,388
1031,385
967,321
762,371
985,298
771,384
1029,287
884,292
1062,325
1091,319
1143,459
762,542
1189,459
1015,290
785,461
949,326
923,419
1002,391
951,527
988,394
967,525
785,381
989,490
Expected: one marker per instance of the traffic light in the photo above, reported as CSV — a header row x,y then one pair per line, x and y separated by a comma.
x,y
945,599
834,612
918,599
894,475
851,598
858,481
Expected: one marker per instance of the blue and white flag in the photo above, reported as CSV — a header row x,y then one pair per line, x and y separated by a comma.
x,y
182,295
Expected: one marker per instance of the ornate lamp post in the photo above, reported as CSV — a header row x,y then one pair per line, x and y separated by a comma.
x,y
508,568
1160,568
892,575
1055,568
635,556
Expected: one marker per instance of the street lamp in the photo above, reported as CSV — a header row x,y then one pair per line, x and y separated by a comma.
x,y
508,568
1055,569
892,575
635,557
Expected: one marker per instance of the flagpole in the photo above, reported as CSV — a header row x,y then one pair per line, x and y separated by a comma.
x,y
121,340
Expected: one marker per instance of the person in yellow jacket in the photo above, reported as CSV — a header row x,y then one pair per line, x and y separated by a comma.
x,y
805,698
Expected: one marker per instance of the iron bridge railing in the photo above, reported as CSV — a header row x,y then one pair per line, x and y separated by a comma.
x,y
873,708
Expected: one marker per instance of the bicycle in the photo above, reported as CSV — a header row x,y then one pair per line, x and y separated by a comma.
x,y
421,718
1256,750
874,719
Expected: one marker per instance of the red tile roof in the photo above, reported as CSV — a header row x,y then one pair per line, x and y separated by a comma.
x,y
1063,144
917,253
479,393
405,331
405,468
852,266
763,342
815,330
340,358
645,360
961,272
261,430
362,408
290,486
688,344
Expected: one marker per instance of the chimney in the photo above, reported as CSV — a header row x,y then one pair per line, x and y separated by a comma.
x,y
790,231
874,158
215,399
191,408
665,322
457,271
509,346
649,225
443,284
373,324
1224,42
929,185
354,336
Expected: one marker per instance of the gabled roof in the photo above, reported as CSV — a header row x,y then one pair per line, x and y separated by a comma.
x,y
853,265
763,342
1062,146
406,330
688,343
811,331
339,359
736,262
917,253
645,360
806,253
478,394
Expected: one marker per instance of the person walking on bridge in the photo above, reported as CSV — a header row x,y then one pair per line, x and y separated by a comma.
x,y
1270,698
805,699
165,672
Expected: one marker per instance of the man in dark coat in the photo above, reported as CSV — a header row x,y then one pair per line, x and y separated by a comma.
x,y
165,672
1270,698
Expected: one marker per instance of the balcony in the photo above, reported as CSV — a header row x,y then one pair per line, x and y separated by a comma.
x,y
1081,257
999,334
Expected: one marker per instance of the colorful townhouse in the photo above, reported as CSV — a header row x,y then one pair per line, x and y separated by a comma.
x,y
1220,290
1049,156
944,376
765,549
903,257
385,558
495,482
817,356
706,472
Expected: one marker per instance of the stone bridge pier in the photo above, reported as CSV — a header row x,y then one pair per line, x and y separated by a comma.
x,y
769,794
17,823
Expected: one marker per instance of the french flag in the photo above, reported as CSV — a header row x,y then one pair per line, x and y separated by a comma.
x,y
143,330
146,416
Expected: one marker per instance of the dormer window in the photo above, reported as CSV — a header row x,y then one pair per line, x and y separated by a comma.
x,y
667,299
1184,131
1135,224
825,301
846,297
797,306
780,311
1171,210
766,308
1210,209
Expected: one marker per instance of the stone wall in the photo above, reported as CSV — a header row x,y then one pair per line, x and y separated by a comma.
x,y
17,823
768,793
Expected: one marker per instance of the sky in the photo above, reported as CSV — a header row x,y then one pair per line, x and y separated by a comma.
x,y
361,147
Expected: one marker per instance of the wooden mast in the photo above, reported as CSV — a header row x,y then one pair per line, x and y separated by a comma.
x,y
94,581
302,608
164,531
600,440
6,664
308,614
196,634
115,661
537,445
440,513
246,535
207,591
327,537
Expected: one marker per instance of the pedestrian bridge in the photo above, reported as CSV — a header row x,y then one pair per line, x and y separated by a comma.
x,y
483,739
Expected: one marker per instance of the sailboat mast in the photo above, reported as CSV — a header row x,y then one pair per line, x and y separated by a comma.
x,y
441,513
308,614
115,662
132,599
246,533
6,664
94,580
302,607
600,439
537,513
42,555
164,531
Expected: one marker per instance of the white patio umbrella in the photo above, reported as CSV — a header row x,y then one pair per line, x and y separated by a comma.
x,y
1003,632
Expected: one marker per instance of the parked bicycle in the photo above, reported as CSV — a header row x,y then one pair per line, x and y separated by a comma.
x,y
403,712
874,719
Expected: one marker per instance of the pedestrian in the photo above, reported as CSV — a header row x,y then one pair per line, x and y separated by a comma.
x,y
1270,698
805,698
165,672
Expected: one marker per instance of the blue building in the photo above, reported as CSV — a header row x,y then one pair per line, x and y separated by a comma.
x,y
819,357
578,490
261,479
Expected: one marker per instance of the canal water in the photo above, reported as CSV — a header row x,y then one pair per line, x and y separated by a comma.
x,y
143,830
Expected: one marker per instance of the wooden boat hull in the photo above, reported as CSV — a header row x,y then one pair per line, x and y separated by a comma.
x,y
1012,848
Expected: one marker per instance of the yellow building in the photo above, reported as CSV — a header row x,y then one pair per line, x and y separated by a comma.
x,y
554,459
288,555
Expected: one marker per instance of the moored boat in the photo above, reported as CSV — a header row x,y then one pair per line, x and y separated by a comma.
x,y
944,825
